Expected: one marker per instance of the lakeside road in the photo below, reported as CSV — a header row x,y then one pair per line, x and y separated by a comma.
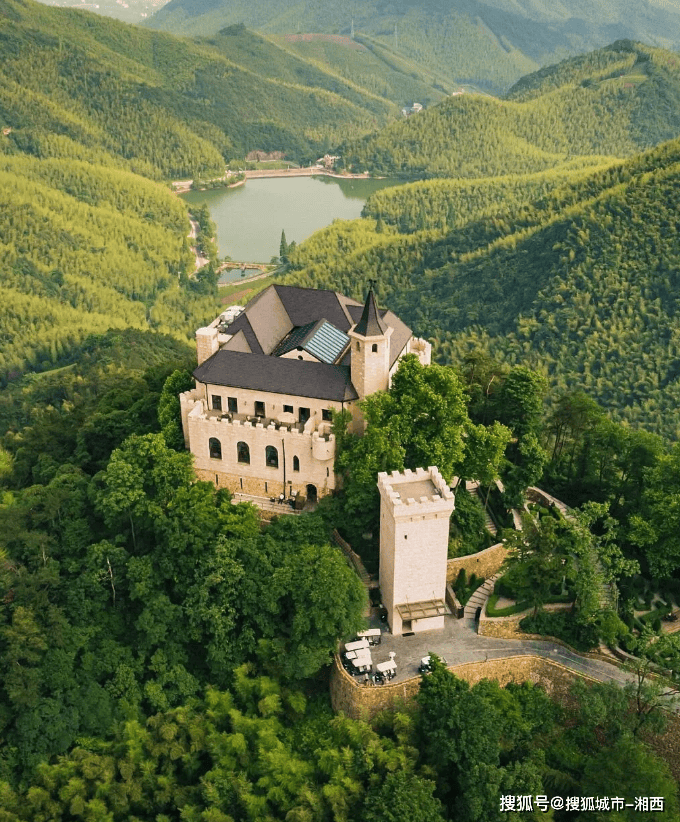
x,y
182,186
313,171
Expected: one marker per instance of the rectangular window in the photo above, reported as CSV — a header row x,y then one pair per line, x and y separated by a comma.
x,y
217,402
259,409
303,414
232,404
327,414
287,409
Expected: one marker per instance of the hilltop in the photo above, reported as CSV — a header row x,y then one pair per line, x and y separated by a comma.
x,y
489,44
613,102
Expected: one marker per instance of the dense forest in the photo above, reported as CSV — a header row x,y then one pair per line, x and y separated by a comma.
x,y
612,102
76,85
489,44
579,283
164,656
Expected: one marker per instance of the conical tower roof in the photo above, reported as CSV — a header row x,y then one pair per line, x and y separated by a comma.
x,y
370,324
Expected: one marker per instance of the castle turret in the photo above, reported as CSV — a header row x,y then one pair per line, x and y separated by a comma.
x,y
415,507
370,351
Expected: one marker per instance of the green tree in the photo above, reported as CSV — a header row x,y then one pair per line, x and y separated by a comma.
x,y
656,529
537,560
169,415
402,797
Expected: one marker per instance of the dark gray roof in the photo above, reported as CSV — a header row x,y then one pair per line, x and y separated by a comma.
x,y
401,333
296,339
370,324
260,372
306,305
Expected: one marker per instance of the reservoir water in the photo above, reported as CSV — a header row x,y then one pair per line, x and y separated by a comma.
x,y
250,218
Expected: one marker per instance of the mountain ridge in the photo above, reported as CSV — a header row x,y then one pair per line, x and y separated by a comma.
x,y
491,43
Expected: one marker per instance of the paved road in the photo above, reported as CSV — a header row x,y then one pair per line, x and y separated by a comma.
x,y
459,643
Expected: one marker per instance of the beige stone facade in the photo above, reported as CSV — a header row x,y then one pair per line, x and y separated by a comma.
x,y
300,457
415,507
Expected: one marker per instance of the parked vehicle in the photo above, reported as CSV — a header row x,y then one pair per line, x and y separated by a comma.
x,y
425,664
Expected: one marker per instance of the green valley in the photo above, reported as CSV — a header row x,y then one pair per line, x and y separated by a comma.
x,y
170,639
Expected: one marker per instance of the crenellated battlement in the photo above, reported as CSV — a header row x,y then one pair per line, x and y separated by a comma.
x,y
318,433
410,492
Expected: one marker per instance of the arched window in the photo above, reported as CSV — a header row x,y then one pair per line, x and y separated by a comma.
x,y
271,457
243,452
215,447
374,348
296,463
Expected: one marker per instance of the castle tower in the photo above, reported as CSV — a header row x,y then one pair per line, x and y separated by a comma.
x,y
415,507
370,353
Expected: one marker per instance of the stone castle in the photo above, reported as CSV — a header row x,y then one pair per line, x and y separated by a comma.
x,y
258,421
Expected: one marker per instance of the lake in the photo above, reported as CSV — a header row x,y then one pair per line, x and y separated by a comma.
x,y
250,218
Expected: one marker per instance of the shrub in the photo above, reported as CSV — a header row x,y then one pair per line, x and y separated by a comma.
x,y
561,625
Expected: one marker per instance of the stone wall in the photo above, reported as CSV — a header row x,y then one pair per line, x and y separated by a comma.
x,y
484,563
364,702
508,627
311,451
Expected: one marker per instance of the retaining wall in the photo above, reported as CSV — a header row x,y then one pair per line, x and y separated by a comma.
x,y
364,702
484,563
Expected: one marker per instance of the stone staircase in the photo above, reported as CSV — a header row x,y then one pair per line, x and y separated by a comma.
x,y
473,488
480,596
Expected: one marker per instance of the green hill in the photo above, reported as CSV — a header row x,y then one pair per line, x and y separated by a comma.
x,y
581,283
160,105
372,65
90,109
491,44
84,249
613,102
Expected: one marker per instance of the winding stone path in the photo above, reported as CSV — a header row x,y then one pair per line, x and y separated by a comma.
x,y
480,597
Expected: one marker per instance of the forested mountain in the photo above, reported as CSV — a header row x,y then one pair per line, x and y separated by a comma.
x,y
83,249
374,65
76,85
581,283
612,102
87,105
491,44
